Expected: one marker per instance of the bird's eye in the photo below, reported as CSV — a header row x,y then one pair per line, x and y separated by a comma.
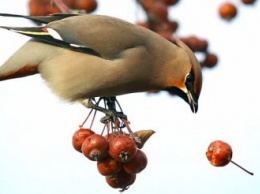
x,y
189,78
189,81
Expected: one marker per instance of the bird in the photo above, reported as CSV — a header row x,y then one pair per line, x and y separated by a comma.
x,y
86,56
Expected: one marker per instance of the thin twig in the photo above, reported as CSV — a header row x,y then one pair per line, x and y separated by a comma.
x,y
242,168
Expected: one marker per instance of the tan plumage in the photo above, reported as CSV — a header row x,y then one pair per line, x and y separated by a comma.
x,y
104,56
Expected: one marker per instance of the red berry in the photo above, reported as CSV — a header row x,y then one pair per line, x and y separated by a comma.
x,y
172,26
79,136
147,4
203,45
121,180
169,26
248,2
143,24
158,12
108,166
227,11
110,136
41,1
210,60
219,153
136,164
170,2
193,43
165,34
87,5
122,148
95,147
185,40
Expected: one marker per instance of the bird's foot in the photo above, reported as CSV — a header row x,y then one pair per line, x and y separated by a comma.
x,y
109,109
112,114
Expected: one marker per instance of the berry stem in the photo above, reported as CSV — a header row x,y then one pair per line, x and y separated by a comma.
x,y
86,118
242,168
94,116
62,6
131,133
97,103
105,126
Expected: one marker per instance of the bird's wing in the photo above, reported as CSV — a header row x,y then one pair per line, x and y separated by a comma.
x,y
42,34
98,35
108,36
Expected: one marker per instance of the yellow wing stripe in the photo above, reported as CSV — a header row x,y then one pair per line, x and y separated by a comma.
x,y
32,33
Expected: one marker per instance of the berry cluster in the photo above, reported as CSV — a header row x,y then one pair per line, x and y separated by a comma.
x,y
201,46
158,21
118,153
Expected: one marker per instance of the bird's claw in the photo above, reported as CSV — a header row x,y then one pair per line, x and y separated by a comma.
x,y
113,116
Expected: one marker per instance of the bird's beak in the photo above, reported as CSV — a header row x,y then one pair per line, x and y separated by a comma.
x,y
192,97
193,101
187,95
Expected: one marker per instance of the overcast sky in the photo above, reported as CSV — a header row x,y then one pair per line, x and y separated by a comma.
x,y
36,127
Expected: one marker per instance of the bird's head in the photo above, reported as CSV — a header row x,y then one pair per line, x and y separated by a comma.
x,y
188,77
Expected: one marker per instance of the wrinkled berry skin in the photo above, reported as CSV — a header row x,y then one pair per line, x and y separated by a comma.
x,y
122,148
219,153
95,147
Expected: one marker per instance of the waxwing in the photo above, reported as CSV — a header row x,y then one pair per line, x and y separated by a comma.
x,y
85,56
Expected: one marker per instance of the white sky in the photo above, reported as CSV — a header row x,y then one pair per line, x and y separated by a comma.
x,y
36,127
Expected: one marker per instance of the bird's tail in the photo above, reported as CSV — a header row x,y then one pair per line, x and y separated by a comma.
x,y
22,72
41,19
23,62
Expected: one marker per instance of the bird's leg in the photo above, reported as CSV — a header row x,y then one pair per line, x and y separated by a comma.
x,y
92,104
111,103
110,111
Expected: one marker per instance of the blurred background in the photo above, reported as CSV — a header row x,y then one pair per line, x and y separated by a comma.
x,y
36,127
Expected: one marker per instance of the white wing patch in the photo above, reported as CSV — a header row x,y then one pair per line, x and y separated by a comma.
x,y
29,32
77,46
54,34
